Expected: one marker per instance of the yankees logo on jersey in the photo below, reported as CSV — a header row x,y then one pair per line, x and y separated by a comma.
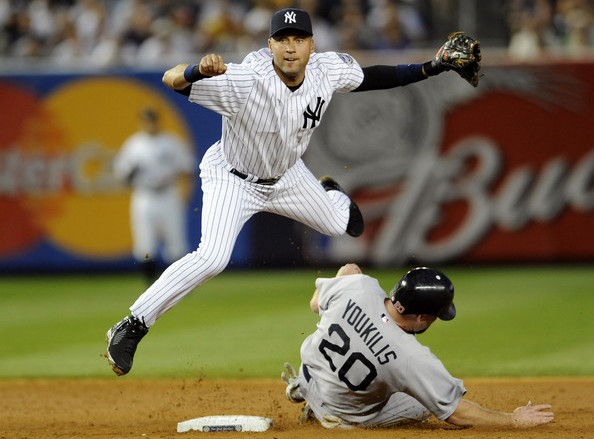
x,y
278,120
313,115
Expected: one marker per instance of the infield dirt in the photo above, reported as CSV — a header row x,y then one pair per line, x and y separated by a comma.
x,y
125,407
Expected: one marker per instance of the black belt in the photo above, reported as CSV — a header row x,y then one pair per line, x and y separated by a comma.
x,y
266,181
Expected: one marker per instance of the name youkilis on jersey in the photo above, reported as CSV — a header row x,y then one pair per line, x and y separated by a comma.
x,y
369,333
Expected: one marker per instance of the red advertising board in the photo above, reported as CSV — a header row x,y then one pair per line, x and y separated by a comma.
x,y
444,172
540,195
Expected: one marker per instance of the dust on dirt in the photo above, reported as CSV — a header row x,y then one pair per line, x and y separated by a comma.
x,y
125,407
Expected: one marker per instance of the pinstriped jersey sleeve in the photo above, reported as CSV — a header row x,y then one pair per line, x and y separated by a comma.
x,y
225,94
344,72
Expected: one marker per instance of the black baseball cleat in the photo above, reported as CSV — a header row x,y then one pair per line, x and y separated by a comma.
x,y
356,225
122,340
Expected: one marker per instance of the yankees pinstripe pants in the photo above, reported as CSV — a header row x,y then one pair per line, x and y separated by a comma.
x,y
228,202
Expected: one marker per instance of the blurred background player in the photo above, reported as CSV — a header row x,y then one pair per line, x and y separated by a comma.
x,y
363,367
152,162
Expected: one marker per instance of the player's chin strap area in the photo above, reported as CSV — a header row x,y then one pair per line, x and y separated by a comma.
x,y
254,179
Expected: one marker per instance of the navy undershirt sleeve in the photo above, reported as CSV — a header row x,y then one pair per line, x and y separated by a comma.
x,y
383,77
184,91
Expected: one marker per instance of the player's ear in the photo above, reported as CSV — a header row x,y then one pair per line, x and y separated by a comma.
x,y
270,44
311,49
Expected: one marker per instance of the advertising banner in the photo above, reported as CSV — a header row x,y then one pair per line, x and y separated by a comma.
x,y
61,206
444,172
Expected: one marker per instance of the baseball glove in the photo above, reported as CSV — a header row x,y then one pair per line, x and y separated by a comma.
x,y
461,54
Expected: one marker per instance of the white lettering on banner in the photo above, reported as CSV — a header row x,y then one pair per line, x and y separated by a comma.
x,y
91,169
580,187
433,181
422,203
86,171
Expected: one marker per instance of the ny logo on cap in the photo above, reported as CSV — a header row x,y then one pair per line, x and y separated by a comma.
x,y
290,17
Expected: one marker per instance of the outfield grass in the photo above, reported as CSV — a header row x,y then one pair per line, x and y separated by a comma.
x,y
511,322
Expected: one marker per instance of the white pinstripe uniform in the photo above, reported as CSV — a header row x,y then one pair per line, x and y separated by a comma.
x,y
154,162
362,368
266,130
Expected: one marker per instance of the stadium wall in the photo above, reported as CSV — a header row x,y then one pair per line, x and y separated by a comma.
x,y
443,172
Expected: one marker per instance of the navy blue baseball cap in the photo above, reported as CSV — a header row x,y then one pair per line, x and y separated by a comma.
x,y
290,19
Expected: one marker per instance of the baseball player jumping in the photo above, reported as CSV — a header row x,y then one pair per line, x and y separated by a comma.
x,y
271,104
363,367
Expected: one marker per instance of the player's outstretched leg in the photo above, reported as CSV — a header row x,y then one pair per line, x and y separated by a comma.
x,y
356,225
122,340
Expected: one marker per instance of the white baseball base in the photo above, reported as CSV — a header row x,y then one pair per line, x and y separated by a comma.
x,y
226,423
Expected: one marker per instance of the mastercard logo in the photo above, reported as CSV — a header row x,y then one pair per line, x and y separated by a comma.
x,y
56,152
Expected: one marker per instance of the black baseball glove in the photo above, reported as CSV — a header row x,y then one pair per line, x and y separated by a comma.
x,y
461,54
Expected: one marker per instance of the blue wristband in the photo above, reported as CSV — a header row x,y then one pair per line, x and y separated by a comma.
x,y
192,73
409,73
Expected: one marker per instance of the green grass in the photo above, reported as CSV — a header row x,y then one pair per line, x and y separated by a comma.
x,y
519,321
511,322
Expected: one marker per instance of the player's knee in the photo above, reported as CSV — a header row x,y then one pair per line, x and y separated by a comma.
x,y
217,266
209,263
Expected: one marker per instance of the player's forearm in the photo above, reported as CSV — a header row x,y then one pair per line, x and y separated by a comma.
x,y
313,303
469,414
384,77
348,269
174,78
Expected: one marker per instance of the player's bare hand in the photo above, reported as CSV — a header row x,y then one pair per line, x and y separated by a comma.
x,y
532,415
347,269
212,65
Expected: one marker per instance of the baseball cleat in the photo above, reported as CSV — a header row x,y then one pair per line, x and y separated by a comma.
x,y
122,340
356,224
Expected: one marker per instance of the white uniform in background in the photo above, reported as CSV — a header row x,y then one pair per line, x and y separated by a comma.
x,y
362,368
152,164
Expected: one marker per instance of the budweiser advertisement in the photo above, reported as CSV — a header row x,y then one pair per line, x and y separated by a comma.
x,y
444,172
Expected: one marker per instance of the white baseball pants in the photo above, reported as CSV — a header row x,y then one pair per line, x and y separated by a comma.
x,y
228,202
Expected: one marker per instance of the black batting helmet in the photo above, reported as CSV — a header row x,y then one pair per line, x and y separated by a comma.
x,y
424,291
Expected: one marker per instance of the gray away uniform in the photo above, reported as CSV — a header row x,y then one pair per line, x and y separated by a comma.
x,y
361,367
